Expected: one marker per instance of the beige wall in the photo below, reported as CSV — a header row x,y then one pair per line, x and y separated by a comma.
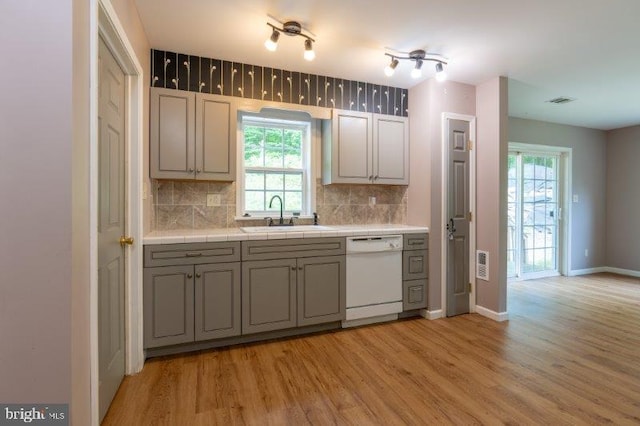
x,y
623,199
491,187
37,138
427,102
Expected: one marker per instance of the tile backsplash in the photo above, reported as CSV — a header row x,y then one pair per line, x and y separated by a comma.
x,y
183,205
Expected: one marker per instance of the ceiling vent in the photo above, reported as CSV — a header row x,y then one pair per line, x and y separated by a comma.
x,y
560,100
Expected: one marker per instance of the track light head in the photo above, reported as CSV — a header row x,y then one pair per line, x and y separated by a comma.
x,y
440,74
309,54
391,68
272,42
417,71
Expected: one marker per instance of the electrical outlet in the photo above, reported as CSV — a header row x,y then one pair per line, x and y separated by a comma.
x,y
372,201
586,252
213,200
576,198
145,190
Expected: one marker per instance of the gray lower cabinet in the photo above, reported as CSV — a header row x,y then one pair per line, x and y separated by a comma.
x,y
415,271
268,295
292,283
191,292
168,305
321,289
217,301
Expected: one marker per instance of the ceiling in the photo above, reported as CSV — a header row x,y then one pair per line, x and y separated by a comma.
x,y
587,50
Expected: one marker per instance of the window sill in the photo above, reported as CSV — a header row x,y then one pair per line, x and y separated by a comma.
x,y
287,217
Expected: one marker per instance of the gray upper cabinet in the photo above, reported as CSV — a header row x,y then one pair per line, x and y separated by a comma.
x,y
172,134
216,124
391,149
321,289
347,145
217,301
268,295
361,147
168,305
192,135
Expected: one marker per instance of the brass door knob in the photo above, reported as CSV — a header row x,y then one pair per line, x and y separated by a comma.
x,y
126,241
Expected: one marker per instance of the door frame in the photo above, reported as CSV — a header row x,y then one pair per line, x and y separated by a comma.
x,y
444,204
107,26
565,173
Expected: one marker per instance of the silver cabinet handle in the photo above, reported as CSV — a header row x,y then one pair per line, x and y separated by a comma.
x,y
189,275
190,170
371,177
293,268
194,254
198,274
198,171
299,268
375,177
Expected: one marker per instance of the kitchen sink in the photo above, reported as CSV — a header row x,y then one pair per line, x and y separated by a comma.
x,y
276,228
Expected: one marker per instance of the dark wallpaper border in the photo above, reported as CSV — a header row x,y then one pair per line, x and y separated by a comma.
x,y
173,70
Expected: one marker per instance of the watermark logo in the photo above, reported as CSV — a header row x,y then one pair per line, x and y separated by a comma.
x,y
37,414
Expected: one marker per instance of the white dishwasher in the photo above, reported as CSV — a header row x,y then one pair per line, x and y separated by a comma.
x,y
374,279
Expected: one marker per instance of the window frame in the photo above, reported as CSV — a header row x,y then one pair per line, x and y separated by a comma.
x,y
284,120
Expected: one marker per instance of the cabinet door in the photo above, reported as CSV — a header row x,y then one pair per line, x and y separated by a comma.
x,y
217,301
171,134
351,152
321,289
391,149
268,295
216,122
168,305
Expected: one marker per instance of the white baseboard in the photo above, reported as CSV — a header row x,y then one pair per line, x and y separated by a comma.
x,y
432,315
599,269
628,272
576,272
496,316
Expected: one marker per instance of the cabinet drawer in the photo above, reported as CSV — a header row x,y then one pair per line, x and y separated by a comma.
x,y
288,249
415,264
414,294
191,254
416,241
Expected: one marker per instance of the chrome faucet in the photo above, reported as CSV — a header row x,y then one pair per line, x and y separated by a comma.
x,y
281,221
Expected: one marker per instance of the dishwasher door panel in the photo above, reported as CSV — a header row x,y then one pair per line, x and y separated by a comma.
x,y
374,278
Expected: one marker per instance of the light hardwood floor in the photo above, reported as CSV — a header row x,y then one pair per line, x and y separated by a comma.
x,y
569,354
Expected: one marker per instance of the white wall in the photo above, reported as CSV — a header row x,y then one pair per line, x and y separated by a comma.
x,y
589,175
623,199
37,134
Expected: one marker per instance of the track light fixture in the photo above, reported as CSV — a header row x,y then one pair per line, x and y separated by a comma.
x,y
418,56
290,28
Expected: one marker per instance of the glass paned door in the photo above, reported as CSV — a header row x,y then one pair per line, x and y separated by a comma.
x,y
532,234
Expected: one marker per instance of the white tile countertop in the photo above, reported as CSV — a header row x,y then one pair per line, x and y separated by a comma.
x,y
177,236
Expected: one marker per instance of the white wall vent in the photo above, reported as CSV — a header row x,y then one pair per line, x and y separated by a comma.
x,y
482,265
